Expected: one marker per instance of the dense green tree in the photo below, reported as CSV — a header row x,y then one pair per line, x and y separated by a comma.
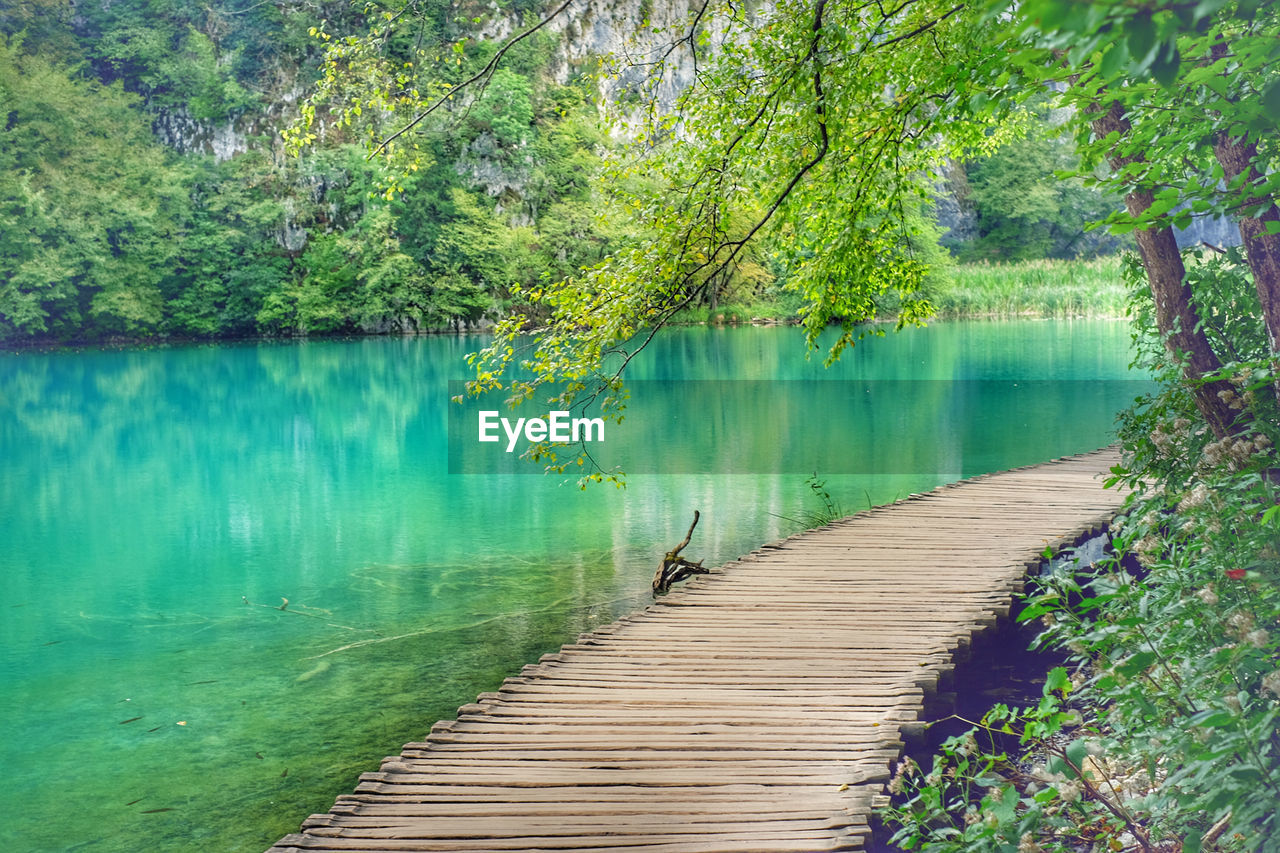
x,y
107,233
812,126
228,256
1175,107
89,206
44,24
1021,206
214,60
728,198
505,109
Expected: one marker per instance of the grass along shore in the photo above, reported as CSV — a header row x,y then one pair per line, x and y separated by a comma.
x,y
1042,288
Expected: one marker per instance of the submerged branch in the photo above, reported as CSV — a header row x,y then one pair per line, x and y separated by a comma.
x,y
675,568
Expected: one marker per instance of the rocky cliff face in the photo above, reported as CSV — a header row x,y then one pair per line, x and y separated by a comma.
x,y
589,29
176,128
586,32
225,138
1216,232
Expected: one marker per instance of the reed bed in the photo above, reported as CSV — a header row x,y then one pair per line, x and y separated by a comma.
x,y
1042,288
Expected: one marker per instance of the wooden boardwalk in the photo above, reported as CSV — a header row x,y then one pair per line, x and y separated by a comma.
x,y
758,708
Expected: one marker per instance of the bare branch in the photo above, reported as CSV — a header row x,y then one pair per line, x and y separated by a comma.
x,y
675,568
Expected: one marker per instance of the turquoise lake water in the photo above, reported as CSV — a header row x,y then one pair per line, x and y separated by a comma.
x,y
157,506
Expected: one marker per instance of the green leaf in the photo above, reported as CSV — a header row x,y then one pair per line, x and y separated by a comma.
x,y
1136,663
1076,751
1245,774
1029,613
1207,7
1114,59
1211,718
1057,679
1054,15
1167,64
1142,37
1271,99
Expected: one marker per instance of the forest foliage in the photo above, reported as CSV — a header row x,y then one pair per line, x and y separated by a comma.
x,y
107,231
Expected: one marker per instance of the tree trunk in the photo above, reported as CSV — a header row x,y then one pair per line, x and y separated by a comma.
x,y
1238,157
1176,315
1261,249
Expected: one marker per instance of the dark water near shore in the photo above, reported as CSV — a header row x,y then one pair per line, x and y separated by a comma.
x,y
157,506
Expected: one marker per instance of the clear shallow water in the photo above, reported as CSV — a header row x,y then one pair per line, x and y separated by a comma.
x,y
156,507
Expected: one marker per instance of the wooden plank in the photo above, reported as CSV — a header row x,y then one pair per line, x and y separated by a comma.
x,y
724,793
305,843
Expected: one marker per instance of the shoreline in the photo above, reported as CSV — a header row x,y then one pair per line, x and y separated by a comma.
x,y
124,342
